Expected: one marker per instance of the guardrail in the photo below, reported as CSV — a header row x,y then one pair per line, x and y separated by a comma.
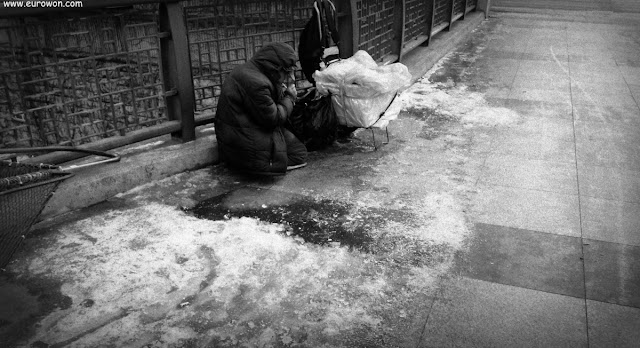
x,y
116,72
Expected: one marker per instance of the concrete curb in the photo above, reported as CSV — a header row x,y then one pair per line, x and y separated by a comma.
x,y
96,184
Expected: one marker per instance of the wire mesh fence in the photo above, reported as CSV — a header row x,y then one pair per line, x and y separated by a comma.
x,y
374,20
73,80
417,19
471,4
224,34
442,12
459,7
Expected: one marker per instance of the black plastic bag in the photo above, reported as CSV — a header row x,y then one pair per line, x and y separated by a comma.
x,y
313,121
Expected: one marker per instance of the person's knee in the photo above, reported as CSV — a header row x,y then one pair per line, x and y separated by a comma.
x,y
296,151
297,157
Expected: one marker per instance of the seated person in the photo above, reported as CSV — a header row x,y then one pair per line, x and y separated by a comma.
x,y
254,104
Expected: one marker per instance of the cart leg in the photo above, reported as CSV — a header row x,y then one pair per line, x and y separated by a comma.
x,y
373,134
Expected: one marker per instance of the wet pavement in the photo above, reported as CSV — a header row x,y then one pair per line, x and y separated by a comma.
x,y
505,211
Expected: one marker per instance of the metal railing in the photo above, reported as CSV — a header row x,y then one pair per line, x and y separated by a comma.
x,y
114,72
224,34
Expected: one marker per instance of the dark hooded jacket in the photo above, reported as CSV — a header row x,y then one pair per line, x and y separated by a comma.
x,y
251,110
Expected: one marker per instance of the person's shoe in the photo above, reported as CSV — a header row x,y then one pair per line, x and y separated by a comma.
x,y
296,166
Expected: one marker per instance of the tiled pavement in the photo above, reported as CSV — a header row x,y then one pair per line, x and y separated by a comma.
x,y
581,5
555,259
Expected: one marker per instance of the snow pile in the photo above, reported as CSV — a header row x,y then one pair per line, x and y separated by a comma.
x,y
151,265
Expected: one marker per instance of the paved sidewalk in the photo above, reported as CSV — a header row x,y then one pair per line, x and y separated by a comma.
x,y
623,6
504,212
555,257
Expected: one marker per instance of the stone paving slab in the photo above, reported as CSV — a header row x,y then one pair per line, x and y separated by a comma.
x,y
609,154
599,88
540,175
559,128
535,148
609,183
610,221
631,75
527,259
540,94
635,92
625,115
544,68
606,132
528,209
535,80
612,272
541,108
476,313
612,325
594,98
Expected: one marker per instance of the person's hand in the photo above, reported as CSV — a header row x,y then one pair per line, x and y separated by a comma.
x,y
291,90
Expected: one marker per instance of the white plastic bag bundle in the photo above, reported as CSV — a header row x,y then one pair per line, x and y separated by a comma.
x,y
360,89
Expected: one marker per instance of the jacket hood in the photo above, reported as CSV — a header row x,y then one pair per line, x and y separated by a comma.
x,y
275,56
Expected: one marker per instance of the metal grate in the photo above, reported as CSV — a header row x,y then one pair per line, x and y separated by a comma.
x,y
442,12
375,23
224,34
459,7
417,18
75,80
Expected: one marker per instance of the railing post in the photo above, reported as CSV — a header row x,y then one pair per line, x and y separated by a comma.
x,y
464,10
176,69
484,5
451,14
355,28
430,24
345,28
398,27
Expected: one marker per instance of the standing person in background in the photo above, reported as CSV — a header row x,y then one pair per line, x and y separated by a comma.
x,y
254,104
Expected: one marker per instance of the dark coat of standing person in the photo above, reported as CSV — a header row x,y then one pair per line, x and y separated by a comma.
x,y
254,104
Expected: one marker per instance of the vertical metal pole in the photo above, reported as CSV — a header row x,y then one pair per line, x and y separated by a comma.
x,y
486,9
355,28
453,6
464,9
176,69
345,28
430,24
399,13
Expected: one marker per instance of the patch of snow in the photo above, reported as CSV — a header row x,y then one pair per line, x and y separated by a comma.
x,y
210,129
444,219
150,258
469,107
147,146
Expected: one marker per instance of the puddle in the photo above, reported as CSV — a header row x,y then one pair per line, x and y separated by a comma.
x,y
322,222
22,305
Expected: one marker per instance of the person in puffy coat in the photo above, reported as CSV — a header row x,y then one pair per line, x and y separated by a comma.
x,y
254,104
